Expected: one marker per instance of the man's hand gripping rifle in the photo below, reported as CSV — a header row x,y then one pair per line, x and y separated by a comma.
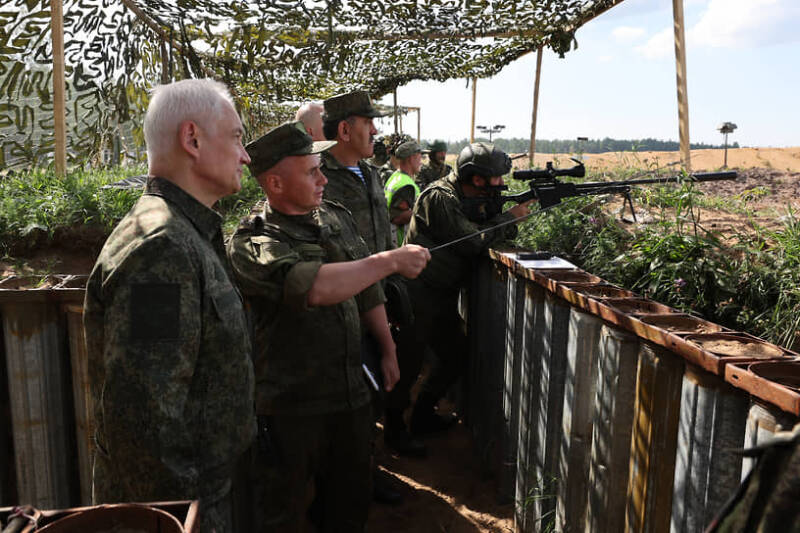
x,y
548,190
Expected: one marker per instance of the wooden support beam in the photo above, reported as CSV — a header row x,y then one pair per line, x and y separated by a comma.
x,y
59,88
395,110
419,124
683,94
532,149
472,123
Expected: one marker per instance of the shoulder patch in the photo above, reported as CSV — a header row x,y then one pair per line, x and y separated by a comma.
x,y
155,312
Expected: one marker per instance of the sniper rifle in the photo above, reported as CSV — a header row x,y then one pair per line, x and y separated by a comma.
x,y
545,186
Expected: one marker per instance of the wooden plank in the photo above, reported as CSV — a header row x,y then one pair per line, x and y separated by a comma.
x,y
472,123
683,94
395,110
59,88
532,149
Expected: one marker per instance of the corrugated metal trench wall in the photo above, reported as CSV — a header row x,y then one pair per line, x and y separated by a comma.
x,y
592,419
589,417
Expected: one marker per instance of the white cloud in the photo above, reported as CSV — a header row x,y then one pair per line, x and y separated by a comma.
x,y
627,34
605,59
747,23
659,46
733,24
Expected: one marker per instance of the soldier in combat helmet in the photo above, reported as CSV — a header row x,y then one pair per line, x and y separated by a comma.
x,y
436,167
456,206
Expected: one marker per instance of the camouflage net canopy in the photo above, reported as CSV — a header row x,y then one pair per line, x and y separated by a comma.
x,y
274,54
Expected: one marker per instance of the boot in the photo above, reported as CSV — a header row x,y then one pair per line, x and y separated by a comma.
x,y
398,439
425,420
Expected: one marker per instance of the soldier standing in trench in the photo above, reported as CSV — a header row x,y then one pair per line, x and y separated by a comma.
x,y
311,283
168,343
450,208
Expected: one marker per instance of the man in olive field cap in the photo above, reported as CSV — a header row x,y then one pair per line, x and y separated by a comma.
x,y
311,283
400,189
352,181
168,344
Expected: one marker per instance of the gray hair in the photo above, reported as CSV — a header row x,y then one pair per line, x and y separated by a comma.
x,y
200,101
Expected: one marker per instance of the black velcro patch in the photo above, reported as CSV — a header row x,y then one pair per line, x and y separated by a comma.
x,y
155,311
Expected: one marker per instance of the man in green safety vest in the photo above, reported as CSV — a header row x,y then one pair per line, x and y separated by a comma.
x,y
400,189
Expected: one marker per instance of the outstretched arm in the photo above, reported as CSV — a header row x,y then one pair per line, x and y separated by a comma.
x,y
336,282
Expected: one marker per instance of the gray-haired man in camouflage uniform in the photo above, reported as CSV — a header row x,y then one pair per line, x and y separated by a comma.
x,y
168,343
311,283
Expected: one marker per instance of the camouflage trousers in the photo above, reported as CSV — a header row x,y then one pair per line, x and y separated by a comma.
x,y
111,485
312,472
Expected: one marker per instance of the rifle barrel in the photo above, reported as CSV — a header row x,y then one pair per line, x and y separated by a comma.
x,y
699,176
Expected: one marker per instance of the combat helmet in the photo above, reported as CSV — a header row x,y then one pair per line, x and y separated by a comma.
x,y
482,159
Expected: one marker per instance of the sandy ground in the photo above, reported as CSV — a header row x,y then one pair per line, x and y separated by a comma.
x,y
783,159
446,491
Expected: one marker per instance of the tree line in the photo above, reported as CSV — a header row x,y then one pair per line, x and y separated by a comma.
x,y
591,146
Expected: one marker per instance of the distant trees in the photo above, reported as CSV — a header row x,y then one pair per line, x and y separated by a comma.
x,y
592,146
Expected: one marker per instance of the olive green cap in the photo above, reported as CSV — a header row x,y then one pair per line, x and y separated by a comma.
x,y
285,140
438,146
407,149
356,103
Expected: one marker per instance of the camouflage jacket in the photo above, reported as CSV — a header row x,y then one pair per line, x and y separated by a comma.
x,y
767,500
366,203
439,218
430,173
307,360
169,354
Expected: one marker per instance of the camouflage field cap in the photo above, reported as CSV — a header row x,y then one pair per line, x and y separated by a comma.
x,y
407,149
285,140
356,103
438,146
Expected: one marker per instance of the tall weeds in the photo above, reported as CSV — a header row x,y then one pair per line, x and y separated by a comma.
x,y
36,206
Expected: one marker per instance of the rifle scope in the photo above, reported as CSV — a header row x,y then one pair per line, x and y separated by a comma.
x,y
578,171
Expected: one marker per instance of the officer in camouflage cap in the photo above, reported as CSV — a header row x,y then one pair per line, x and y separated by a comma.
x,y
357,185
311,283
436,167
448,209
168,344
352,181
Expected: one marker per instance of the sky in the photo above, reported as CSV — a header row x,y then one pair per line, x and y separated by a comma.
x,y
743,60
